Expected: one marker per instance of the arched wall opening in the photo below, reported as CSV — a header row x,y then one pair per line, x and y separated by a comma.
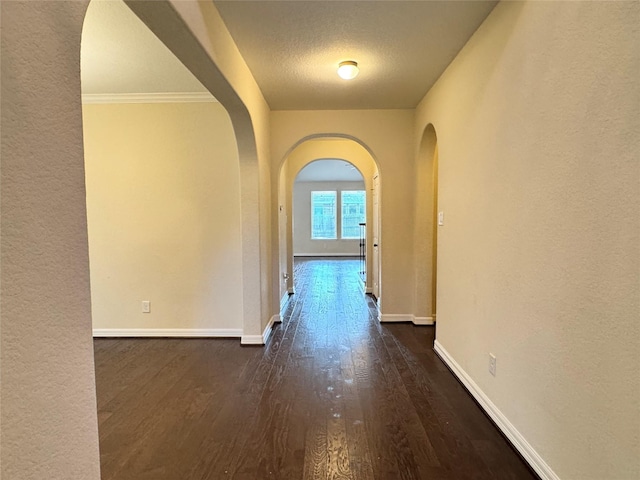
x,y
302,154
327,223
192,32
163,188
426,228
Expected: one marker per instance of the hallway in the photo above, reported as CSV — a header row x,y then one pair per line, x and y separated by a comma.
x,y
334,394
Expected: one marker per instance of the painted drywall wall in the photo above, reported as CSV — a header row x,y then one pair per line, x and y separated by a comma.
x,y
302,242
537,122
196,34
48,415
163,206
387,136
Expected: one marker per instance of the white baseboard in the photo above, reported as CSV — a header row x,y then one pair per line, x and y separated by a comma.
x,y
261,339
424,321
167,332
368,290
354,255
506,427
292,291
393,317
252,340
406,317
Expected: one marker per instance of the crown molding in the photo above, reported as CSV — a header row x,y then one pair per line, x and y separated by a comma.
x,y
160,97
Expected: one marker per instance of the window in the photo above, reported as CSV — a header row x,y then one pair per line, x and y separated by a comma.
x,y
353,213
323,216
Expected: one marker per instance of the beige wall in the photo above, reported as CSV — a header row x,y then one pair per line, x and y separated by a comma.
x,y
386,134
537,121
302,242
424,226
163,206
48,415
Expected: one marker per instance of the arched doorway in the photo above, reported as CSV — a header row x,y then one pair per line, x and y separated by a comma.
x,y
426,228
305,152
163,188
329,211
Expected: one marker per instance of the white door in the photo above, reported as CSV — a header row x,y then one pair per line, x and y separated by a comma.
x,y
376,236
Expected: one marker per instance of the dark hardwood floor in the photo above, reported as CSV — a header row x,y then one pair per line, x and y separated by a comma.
x,y
334,395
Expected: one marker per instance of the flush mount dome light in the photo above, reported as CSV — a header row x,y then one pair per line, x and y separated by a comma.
x,y
348,69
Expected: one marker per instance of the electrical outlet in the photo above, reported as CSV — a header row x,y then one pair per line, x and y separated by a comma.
x,y
440,218
492,364
146,306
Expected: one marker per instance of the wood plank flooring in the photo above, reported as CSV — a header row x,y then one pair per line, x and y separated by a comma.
x,y
334,395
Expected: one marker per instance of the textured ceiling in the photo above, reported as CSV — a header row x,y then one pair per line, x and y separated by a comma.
x,y
293,48
329,171
121,55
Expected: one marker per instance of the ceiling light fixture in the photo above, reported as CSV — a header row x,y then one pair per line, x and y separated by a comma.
x,y
348,69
